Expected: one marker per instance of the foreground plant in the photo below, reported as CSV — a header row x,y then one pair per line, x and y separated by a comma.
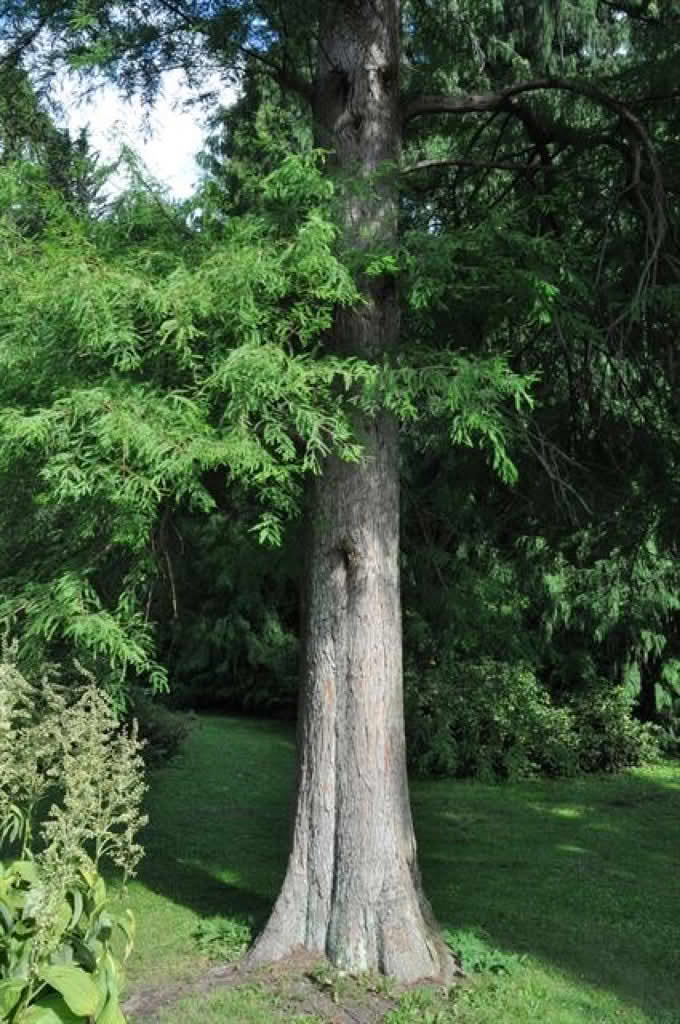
x,y
63,941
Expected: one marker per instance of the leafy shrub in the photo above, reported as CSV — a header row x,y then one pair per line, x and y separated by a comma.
x,y
486,719
493,720
63,941
162,730
609,737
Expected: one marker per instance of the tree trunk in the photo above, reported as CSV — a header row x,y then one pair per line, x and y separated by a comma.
x,y
352,889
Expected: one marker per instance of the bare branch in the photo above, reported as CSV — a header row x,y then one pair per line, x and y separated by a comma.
x,y
465,103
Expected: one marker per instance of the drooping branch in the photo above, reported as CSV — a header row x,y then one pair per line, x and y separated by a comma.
x,y
654,212
505,99
281,72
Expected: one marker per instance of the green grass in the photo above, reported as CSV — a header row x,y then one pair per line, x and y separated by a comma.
x,y
217,840
563,897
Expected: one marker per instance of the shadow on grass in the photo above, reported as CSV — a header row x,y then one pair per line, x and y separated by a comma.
x,y
219,820
583,874
202,893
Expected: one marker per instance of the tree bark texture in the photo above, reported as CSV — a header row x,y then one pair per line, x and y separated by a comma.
x,y
352,889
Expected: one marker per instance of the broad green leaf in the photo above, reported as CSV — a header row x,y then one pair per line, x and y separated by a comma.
x,y
114,973
126,923
49,1009
25,869
112,1013
101,980
63,918
77,987
99,892
89,875
10,993
6,917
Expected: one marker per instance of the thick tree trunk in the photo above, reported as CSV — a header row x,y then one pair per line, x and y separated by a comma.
x,y
352,888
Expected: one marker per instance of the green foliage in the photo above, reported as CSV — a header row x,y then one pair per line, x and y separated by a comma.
x,y
488,719
609,737
107,435
71,788
494,720
477,956
234,644
223,938
159,345
162,731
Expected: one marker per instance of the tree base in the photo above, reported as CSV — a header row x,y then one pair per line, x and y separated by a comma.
x,y
395,935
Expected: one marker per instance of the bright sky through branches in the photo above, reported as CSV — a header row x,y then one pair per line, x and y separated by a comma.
x,y
169,144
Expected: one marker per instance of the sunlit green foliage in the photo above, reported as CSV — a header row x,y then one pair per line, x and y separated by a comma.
x,y
154,362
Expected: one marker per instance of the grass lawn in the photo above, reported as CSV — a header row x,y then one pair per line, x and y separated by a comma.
x,y
563,897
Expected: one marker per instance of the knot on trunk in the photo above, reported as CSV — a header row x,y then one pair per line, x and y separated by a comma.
x,y
350,556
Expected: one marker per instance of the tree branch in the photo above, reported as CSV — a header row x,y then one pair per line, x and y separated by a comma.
x,y
12,58
283,76
286,78
482,165
506,99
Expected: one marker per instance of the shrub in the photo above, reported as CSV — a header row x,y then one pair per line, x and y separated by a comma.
x,y
494,720
487,719
609,737
162,730
71,786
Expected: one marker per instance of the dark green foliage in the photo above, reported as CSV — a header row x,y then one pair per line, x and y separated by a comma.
x,y
491,720
609,737
233,643
163,730
494,720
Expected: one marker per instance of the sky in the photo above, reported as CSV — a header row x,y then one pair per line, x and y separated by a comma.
x,y
168,149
